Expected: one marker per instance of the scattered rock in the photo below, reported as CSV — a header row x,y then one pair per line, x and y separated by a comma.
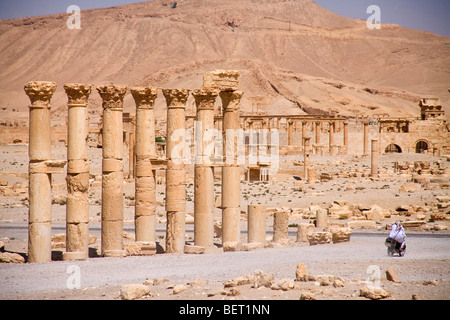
x,y
307,296
410,187
133,291
180,288
300,272
283,284
392,275
374,293
9,257
263,279
340,234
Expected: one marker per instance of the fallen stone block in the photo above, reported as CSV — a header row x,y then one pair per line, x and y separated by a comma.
x,y
374,293
9,257
362,224
319,238
133,291
392,275
339,235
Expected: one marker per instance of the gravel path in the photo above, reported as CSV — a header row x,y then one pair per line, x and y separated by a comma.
x,y
427,258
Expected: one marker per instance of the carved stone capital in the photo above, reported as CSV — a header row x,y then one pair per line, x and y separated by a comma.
x,y
205,98
40,93
144,97
231,100
112,96
78,93
176,98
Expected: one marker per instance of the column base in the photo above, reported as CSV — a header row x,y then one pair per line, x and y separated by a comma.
x,y
78,255
115,253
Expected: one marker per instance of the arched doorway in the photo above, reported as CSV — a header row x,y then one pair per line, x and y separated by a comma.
x,y
421,146
393,148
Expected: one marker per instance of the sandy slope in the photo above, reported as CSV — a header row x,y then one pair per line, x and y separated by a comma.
x,y
294,56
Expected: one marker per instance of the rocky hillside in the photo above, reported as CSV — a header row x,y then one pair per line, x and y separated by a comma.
x,y
294,56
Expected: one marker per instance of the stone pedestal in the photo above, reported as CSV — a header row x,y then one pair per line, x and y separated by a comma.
x,y
112,169
321,219
40,193
77,208
145,151
203,169
231,171
256,223
175,170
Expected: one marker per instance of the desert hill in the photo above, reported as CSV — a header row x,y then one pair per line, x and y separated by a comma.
x,y
294,56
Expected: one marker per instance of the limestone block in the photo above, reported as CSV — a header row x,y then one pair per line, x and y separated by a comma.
x,y
340,234
374,293
392,275
362,224
133,291
224,80
409,187
319,238
300,272
303,230
9,257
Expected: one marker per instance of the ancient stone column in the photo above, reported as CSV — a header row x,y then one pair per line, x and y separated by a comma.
x,y
40,193
231,170
317,141
131,155
280,226
112,168
289,129
366,138
346,137
306,155
203,169
256,223
331,137
374,158
77,208
304,123
175,172
145,152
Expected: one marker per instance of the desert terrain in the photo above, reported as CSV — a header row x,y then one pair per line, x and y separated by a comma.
x,y
424,270
294,58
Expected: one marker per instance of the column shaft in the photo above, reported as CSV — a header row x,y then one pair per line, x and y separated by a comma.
x,y
175,172
112,168
231,171
374,158
77,208
40,193
203,170
145,151
256,223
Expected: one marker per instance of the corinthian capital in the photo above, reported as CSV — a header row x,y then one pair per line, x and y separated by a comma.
x,y
112,96
231,100
144,97
176,97
205,98
78,93
40,93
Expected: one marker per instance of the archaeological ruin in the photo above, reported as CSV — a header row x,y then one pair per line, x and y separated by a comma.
x,y
223,145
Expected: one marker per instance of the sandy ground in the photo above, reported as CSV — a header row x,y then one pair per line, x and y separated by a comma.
x,y
425,269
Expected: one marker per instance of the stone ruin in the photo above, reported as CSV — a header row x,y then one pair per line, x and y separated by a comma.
x,y
146,160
